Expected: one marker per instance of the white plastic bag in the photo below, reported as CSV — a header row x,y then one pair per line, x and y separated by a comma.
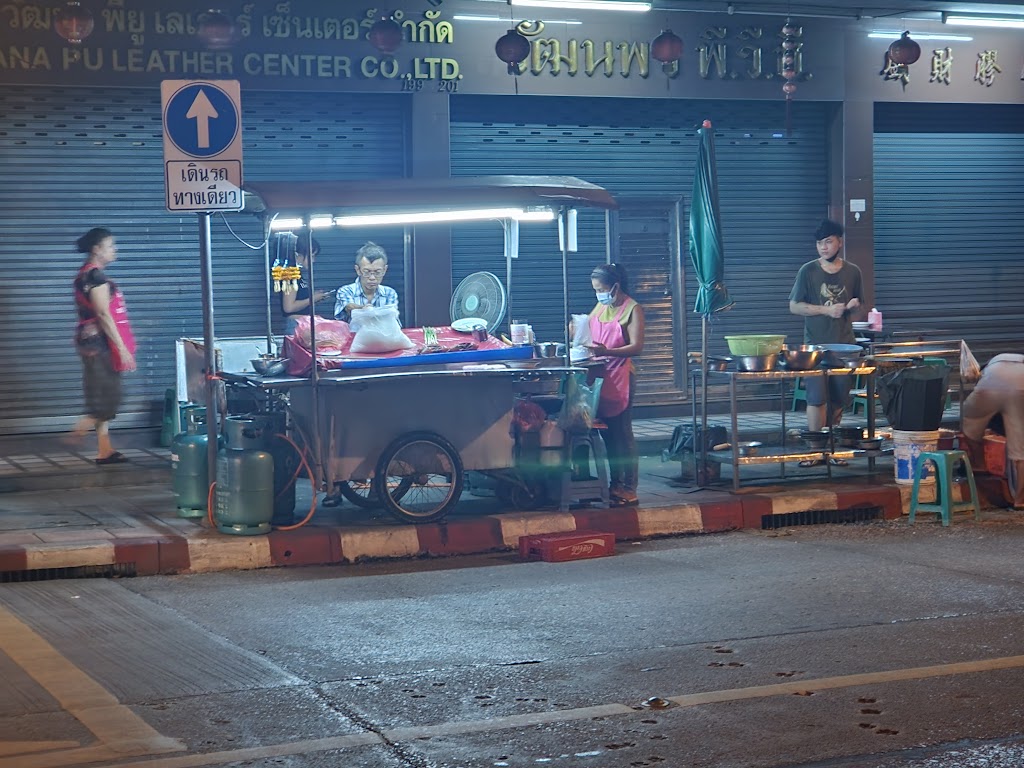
x,y
970,371
581,330
377,330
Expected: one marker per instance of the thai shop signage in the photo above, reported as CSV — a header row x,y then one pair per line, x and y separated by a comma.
x,y
319,45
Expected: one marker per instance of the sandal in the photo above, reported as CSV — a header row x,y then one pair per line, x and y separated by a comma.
x,y
838,462
806,463
115,458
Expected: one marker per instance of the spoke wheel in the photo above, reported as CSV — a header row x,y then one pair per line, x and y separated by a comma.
x,y
360,492
428,471
363,493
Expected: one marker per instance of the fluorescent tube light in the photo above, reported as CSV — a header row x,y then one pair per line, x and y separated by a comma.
x,y
427,217
1003,22
321,221
472,17
585,5
286,223
884,34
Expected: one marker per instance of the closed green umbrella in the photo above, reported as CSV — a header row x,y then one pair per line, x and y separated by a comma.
x,y
706,250
708,256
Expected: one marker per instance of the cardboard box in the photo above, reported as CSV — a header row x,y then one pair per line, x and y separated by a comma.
x,y
560,547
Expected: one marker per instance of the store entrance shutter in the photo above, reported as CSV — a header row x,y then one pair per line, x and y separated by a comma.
x,y
646,243
76,158
773,189
949,191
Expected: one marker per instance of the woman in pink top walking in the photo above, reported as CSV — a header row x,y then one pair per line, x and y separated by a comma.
x,y
617,334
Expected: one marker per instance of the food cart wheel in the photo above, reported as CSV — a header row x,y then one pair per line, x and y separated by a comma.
x,y
359,492
429,470
363,494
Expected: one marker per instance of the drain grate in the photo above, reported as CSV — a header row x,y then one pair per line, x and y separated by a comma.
x,y
113,570
821,517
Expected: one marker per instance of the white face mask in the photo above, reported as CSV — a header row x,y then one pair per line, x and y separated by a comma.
x,y
604,297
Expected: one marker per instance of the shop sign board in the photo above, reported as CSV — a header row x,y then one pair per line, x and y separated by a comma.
x,y
202,126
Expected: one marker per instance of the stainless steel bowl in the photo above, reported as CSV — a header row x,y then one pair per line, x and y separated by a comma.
x,y
748,448
756,363
802,358
547,349
718,363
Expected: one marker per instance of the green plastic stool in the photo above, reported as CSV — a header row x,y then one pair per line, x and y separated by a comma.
x,y
799,392
944,506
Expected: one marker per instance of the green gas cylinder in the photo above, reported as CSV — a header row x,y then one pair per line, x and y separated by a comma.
x,y
244,502
189,464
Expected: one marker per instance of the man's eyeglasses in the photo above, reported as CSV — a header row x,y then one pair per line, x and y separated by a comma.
x,y
372,272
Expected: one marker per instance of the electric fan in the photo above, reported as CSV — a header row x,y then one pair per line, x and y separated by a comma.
x,y
479,296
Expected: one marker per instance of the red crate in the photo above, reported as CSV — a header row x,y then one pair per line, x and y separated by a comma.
x,y
559,547
995,455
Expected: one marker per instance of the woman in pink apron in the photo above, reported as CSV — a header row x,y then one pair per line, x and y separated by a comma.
x,y
103,339
617,335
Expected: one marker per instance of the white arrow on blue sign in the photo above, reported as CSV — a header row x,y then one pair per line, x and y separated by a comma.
x,y
202,144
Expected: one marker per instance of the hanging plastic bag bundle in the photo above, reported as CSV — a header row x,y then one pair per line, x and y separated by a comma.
x,y
377,330
970,371
577,414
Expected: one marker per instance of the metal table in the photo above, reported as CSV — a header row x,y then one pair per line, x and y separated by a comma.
x,y
782,454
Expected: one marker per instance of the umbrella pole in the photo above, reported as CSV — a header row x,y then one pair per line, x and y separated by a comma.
x,y
563,223
268,287
703,395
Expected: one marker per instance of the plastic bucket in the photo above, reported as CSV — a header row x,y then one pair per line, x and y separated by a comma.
x,y
907,447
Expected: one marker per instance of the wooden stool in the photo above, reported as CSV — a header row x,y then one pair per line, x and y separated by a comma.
x,y
585,477
944,506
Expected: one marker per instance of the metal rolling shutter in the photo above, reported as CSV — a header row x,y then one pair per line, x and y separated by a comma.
x,y
948,222
75,158
773,191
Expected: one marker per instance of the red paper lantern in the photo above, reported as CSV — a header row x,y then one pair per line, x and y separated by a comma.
x,y
512,48
904,51
667,47
385,35
216,30
73,22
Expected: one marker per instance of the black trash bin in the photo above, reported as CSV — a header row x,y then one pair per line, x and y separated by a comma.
x,y
913,398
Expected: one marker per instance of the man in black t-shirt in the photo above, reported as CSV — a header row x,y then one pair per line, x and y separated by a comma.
x,y
827,293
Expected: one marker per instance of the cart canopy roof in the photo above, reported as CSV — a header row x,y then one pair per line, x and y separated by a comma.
x,y
298,198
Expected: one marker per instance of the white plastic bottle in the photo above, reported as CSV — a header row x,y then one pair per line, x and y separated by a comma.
x,y
875,319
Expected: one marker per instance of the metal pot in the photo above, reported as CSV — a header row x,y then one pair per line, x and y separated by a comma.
x,y
544,349
756,363
718,363
802,358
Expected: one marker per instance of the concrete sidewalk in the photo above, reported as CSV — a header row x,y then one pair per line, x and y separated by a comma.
x,y
69,517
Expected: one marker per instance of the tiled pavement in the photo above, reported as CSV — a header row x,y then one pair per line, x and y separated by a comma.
x,y
61,512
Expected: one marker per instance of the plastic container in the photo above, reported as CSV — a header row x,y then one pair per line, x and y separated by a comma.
x,y
756,344
875,320
907,447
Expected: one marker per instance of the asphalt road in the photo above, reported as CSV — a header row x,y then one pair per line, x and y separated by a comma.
x,y
875,645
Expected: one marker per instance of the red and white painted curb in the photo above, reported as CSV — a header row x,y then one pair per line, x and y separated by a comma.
x,y
206,550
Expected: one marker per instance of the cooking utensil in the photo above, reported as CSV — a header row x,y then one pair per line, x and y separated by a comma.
x,y
755,344
268,366
718,363
748,448
802,358
756,363
849,437
816,439
870,443
547,349
842,355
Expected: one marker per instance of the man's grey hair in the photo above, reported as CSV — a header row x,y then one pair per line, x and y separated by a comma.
x,y
371,252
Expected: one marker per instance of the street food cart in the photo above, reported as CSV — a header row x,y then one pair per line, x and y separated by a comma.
x,y
402,429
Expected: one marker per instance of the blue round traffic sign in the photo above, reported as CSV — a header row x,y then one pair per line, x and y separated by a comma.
x,y
201,120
